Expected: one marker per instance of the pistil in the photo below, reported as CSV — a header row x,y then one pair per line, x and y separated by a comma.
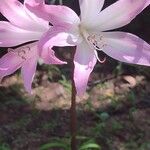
x,y
95,41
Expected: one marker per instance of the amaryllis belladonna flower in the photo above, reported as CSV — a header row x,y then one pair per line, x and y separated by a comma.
x,y
91,33
23,26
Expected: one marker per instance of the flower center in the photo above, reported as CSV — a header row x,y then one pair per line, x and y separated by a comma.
x,y
95,41
23,52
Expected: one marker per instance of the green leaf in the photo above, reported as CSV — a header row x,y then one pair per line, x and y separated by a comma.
x,y
53,145
90,146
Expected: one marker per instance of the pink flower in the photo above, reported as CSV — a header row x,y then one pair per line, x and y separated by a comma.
x,y
23,26
87,33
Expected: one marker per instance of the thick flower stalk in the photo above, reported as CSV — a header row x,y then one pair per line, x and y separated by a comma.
x,y
91,33
23,27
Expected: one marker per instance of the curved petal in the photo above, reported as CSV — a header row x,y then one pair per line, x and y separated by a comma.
x,y
118,14
90,9
14,11
43,23
34,2
9,63
147,3
84,62
54,14
48,56
127,48
28,71
15,58
56,36
12,36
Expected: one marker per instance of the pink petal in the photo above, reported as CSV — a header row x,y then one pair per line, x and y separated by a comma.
x,y
11,35
56,36
28,71
9,63
54,14
43,24
147,3
34,2
90,9
127,48
49,57
14,11
84,62
119,14
15,58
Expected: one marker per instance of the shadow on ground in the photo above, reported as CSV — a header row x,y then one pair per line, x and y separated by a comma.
x,y
122,124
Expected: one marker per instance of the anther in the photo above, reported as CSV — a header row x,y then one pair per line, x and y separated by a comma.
x,y
11,50
28,48
98,44
22,54
96,41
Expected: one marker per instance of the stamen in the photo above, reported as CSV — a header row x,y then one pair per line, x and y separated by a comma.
x,y
23,53
11,50
96,41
